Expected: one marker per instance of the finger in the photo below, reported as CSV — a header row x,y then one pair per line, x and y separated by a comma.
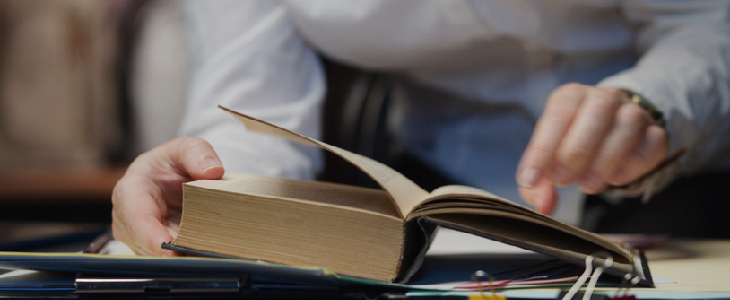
x,y
650,152
138,215
592,123
200,160
154,235
119,230
591,184
629,128
192,156
138,244
549,131
542,196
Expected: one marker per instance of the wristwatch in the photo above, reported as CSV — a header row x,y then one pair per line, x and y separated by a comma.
x,y
654,113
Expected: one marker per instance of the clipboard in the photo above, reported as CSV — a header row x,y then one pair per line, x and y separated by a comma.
x,y
90,275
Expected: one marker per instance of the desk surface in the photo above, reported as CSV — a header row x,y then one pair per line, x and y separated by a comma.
x,y
696,265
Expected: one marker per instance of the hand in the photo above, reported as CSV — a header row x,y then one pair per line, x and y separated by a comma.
x,y
148,199
593,136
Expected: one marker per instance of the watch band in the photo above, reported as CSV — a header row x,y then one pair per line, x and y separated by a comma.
x,y
653,112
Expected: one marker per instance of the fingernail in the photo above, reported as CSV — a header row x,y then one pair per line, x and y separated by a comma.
x,y
208,163
590,183
528,177
165,255
563,177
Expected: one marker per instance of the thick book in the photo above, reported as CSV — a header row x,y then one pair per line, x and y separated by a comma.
x,y
371,233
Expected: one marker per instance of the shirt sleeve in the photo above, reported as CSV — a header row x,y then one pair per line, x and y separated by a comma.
x,y
247,56
684,70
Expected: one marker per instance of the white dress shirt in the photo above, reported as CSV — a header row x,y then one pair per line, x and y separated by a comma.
x,y
500,59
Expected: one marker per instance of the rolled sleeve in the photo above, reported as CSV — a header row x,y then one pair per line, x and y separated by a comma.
x,y
684,70
247,56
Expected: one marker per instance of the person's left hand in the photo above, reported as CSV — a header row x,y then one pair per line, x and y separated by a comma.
x,y
593,136
148,199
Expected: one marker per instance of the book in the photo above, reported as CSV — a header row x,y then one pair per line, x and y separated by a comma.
x,y
370,233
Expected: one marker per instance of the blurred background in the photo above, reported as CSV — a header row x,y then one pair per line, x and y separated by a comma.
x,y
85,86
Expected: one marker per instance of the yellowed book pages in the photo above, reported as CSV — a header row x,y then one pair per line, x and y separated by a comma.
x,y
395,225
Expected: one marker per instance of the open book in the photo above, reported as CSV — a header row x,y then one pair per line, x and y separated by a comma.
x,y
377,234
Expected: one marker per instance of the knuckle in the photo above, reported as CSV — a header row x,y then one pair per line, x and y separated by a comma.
x,y
574,156
571,88
608,158
142,164
116,196
540,152
118,192
612,90
557,118
659,135
189,144
603,102
607,161
657,143
567,92
632,114
643,157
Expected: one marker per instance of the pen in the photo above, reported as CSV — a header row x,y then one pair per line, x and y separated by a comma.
x,y
99,243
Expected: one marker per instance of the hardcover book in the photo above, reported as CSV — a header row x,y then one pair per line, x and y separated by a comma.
x,y
371,233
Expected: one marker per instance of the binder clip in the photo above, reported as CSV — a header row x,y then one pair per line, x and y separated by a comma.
x,y
627,282
477,278
588,294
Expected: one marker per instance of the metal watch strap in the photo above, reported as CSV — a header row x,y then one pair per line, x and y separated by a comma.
x,y
653,112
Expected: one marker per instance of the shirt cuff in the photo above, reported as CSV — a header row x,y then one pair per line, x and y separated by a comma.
x,y
649,184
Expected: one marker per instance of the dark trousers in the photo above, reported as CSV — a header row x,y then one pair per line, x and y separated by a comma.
x,y
697,206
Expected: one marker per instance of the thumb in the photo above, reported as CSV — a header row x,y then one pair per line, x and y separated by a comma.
x,y
195,157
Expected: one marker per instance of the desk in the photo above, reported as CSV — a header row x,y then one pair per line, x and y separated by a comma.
x,y
696,265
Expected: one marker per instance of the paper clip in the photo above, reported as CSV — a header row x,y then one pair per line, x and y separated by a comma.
x,y
477,278
607,262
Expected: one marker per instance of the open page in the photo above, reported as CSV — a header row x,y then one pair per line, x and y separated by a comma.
x,y
405,194
449,190
467,200
521,232
480,212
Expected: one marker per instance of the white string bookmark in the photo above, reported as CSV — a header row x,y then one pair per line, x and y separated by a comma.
x,y
607,262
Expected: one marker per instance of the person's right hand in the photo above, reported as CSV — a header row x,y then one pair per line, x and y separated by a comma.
x,y
148,199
